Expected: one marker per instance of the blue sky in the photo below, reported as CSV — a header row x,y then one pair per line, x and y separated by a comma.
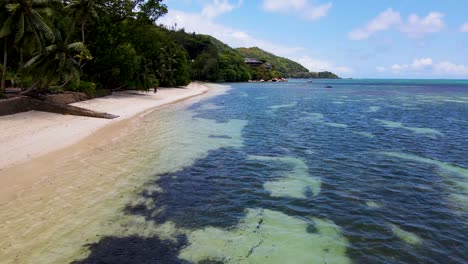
x,y
359,39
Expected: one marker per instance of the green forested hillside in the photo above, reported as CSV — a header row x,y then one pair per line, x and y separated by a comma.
x,y
210,59
286,66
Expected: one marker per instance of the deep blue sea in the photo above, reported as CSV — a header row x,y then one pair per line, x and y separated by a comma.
x,y
369,171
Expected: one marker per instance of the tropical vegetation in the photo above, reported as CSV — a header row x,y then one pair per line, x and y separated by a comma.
x,y
286,67
117,44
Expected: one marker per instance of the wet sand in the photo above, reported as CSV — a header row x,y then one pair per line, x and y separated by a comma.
x,y
28,135
66,193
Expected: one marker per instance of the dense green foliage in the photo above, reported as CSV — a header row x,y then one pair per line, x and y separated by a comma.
x,y
211,60
283,65
286,67
110,44
130,51
261,73
315,75
327,75
113,44
45,44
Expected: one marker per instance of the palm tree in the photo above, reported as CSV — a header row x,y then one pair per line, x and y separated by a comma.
x,y
166,70
145,77
83,11
56,63
23,22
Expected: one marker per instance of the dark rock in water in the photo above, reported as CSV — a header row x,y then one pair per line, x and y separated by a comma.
x,y
220,136
135,249
328,86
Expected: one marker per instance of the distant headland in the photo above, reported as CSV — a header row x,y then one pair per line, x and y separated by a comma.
x,y
267,66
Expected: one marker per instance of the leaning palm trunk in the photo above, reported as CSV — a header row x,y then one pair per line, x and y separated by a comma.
x,y
21,57
83,32
82,38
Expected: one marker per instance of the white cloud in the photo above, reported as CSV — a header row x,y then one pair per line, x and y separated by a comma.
x,y
421,63
383,21
450,68
194,22
304,8
218,7
417,27
204,23
464,27
429,67
413,27
381,69
317,65
316,12
282,6
398,68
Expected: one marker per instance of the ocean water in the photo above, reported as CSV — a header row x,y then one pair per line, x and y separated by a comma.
x,y
370,171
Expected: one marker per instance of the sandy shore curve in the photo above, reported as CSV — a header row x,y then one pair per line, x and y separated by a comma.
x,y
64,177
28,135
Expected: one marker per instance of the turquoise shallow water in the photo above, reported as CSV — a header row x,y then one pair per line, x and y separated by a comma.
x,y
370,171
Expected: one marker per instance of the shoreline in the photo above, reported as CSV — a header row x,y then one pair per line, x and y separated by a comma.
x,y
77,194
30,135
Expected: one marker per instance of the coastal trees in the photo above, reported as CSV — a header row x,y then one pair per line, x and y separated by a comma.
x,y
327,75
122,46
150,10
210,59
281,66
83,11
145,77
260,73
166,70
54,46
23,25
25,21
143,11
173,70
168,59
56,64
133,54
285,66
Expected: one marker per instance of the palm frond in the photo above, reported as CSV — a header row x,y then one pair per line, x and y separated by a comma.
x,y
12,8
20,30
6,29
37,38
77,47
45,10
72,5
32,61
50,48
94,14
39,3
41,25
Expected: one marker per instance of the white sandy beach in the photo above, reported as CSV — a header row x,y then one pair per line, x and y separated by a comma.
x,y
28,135
63,177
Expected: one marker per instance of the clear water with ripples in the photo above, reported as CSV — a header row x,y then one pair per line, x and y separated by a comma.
x,y
370,171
